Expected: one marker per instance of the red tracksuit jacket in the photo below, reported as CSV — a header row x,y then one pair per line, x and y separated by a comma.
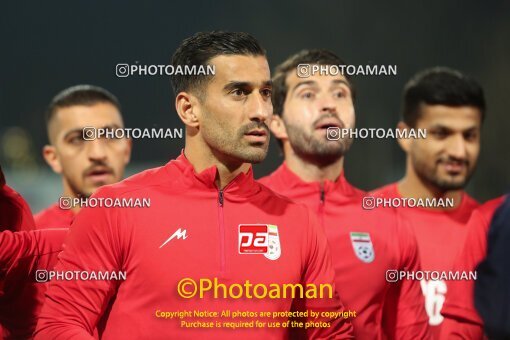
x,y
365,244
53,217
36,247
461,318
15,214
17,296
440,235
21,255
210,228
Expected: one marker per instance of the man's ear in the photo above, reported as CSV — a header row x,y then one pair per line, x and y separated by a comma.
x,y
405,143
186,106
277,127
50,155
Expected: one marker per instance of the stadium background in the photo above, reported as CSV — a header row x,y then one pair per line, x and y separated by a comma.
x,y
46,47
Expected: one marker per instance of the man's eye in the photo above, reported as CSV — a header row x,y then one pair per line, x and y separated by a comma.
x,y
76,140
267,92
470,136
113,133
238,92
339,94
307,95
439,134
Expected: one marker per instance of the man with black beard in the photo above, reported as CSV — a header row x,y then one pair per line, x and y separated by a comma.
x,y
209,220
365,244
450,106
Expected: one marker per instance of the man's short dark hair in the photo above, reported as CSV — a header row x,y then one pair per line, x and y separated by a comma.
x,y
440,86
315,56
202,47
86,95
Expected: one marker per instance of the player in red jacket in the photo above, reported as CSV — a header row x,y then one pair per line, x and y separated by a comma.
x,y
84,165
365,244
450,107
25,259
33,245
15,214
461,320
22,251
17,307
211,230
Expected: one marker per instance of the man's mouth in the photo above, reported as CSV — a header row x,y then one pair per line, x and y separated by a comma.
x,y
257,135
99,174
454,167
327,123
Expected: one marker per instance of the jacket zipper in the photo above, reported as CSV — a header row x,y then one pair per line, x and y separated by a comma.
x,y
222,232
322,204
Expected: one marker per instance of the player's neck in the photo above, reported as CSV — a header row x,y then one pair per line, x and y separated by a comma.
x,y
412,186
203,158
71,194
311,172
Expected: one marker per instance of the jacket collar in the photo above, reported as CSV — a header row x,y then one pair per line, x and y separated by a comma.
x,y
291,180
242,185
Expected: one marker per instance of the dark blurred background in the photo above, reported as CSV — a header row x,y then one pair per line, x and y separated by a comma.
x,y
46,47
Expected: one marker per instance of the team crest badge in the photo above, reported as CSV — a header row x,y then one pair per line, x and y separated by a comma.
x,y
260,239
363,247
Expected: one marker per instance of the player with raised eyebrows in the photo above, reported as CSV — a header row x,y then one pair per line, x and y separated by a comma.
x,y
84,165
365,244
208,219
450,106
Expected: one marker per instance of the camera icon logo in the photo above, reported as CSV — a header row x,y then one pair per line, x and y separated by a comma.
x,y
41,276
303,70
368,203
122,70
392,275
333,133
65,203
89,133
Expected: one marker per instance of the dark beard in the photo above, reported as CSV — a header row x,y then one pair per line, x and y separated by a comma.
x,y
313,150
442,184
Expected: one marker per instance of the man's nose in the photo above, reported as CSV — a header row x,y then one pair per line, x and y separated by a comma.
x,y
97,149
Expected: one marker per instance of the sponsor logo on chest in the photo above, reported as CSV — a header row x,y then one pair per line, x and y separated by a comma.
x,y
260,239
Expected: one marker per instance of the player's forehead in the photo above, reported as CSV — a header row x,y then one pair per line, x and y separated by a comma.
x,y
451,117
316,81
98,115
240,68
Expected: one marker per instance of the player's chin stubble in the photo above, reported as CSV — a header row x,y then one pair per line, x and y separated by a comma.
x,y
316,149
80,192
234,145
433,176
252,152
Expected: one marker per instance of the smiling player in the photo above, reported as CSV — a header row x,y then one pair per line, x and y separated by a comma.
x,y
450,107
